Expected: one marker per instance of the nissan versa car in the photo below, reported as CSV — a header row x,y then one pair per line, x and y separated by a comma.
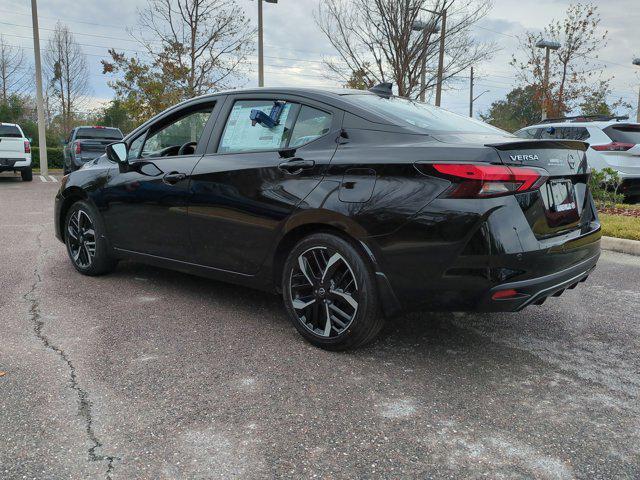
x,y
353,205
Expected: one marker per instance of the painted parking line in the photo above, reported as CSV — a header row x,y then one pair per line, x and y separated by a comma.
x,y
53,179
42,179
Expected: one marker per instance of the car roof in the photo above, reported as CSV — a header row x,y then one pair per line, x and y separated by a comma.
x,y
5,124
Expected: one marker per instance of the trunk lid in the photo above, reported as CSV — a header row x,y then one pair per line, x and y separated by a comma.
x,y
94,145
563,203
11,147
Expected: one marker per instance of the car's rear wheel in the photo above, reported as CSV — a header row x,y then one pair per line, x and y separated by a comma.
x,y
330,294
27,174
86,242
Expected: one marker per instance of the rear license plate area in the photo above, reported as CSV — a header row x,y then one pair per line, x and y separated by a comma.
x,y
560,200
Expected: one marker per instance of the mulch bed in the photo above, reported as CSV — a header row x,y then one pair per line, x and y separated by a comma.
x,y
626,212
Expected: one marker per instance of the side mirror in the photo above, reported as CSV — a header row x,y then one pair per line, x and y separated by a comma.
x,y
30,139
117,152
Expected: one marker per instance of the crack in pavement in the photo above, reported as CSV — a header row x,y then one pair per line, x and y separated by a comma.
x,y
84,403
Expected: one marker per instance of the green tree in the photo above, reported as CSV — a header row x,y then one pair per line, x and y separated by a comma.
x,y
359,80
596,102
115,115
517,110
573,68
197,46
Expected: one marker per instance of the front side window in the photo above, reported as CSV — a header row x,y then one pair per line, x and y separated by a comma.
x,y
167,141
240,135
311,124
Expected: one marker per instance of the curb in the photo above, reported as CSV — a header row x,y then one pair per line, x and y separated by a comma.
x,y
622,245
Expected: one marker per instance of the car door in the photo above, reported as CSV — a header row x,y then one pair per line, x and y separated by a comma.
x,y
252,177
146,202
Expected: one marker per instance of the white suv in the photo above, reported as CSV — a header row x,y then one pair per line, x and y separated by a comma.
x,y
613,142
15,151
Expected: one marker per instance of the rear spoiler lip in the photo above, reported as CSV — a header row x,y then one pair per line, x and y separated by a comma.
x,y
546,144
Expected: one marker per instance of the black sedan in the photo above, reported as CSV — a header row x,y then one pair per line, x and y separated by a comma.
x,y
353,205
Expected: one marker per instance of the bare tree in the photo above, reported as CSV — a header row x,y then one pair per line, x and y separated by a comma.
x,y
573,69
204,41
375,41
13,74
68,74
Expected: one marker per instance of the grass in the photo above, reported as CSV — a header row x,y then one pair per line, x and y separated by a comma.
x,y
620,226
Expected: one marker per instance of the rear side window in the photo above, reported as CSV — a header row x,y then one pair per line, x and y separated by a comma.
x,y
10,131
565,133
311,124
624,133
241,136
99,133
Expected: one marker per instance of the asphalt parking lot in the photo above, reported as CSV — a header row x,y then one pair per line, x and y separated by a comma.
x,y
147,373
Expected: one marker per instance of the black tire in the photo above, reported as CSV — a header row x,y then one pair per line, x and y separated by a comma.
x,y
349,281
101,262
27,175
65,170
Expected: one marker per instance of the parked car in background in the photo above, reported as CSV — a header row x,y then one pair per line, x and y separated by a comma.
x,y
15,151
86,143
353,205
614,142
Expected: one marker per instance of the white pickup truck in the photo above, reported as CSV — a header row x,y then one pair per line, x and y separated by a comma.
x,y
15,151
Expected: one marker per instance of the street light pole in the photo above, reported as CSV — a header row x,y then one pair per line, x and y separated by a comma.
x,y
548,46
261,44
636,61
443,29
42,140
426,29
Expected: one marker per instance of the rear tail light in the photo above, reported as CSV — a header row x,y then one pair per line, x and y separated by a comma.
x,y
78,147
27,146
473,180
613,147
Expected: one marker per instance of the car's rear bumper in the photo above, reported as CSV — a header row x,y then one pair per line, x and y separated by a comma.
x,y
14,164
537,290
444,266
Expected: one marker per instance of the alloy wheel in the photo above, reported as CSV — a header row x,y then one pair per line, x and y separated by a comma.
x,y
82,239
324,291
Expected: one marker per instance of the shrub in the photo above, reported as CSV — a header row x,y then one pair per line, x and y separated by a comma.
x,y
55,157
604,185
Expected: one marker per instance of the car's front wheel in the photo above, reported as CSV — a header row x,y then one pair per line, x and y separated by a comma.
x,y
86,242
330,293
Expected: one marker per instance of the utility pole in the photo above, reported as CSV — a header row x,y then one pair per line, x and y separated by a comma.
x,y
423,72
548,46
260,43
42,140
443,30
636,61
471,93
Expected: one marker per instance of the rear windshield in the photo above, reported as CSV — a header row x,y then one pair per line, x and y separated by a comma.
x,y
99,133
422,115
10,131
624,133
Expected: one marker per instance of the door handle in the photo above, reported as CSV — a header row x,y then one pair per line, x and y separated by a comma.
x,y
296,165
173,177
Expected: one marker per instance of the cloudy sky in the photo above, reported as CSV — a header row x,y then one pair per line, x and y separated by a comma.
x,y
294,47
